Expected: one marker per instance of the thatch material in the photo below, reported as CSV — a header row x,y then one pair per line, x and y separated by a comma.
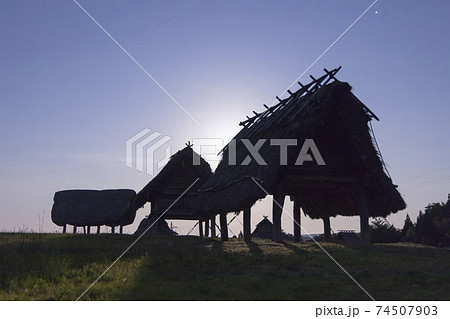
x,y
160,228
183,168
338,123
112,207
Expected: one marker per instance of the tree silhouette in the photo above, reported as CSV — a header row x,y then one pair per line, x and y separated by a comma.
x,y
383,232
433,226
408,231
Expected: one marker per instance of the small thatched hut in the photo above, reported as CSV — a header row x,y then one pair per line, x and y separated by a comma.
x,y
264,230
339,172
183,168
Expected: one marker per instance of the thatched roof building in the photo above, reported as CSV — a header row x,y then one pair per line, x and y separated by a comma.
x,y
85,207
183,168
264,230
326,112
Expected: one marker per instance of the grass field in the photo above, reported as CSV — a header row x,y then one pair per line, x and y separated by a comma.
x,y
61,267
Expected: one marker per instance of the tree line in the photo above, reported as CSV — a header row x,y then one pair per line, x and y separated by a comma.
x,y
432,227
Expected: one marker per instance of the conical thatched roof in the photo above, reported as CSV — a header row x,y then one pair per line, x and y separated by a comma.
x,y
264,229
330,115
181,171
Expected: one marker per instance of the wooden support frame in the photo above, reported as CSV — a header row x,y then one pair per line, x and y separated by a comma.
x,y
121,229
297,221
247,225
64,228
277,209
113,229
98,229
74,229
223,227
89,229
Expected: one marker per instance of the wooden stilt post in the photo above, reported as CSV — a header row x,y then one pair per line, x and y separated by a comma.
x,y
327,228
278,200
89,229
364,217
200,228
223,227
213,227
113,229
207,228
74,229
247,225
297,222
121,229
64,228
84,229
98,229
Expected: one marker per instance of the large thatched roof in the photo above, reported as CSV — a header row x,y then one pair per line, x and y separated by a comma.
x,y
178,174
326,111
86,207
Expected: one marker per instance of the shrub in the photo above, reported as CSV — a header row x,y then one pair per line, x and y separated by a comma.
x,y
383,232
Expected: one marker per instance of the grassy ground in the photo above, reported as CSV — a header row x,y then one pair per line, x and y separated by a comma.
x,y
61,267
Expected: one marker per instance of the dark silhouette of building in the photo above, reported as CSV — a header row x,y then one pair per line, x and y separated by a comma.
x,y
352,181
164,190
86,208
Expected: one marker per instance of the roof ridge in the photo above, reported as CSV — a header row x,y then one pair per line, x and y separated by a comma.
x,y
303,91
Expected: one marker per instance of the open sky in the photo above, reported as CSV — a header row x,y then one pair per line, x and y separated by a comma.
x,y
70,97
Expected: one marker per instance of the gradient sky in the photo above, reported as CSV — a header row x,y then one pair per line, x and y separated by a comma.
x,y
70,97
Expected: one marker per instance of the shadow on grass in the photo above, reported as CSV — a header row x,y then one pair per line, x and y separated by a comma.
x,y
253,248
297,250
61,267
216,246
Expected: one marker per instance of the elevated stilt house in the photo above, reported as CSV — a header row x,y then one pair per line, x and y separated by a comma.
x,y
85,208
183,168
316,146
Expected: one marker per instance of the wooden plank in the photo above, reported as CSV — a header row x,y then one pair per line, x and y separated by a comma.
x,y
177,215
